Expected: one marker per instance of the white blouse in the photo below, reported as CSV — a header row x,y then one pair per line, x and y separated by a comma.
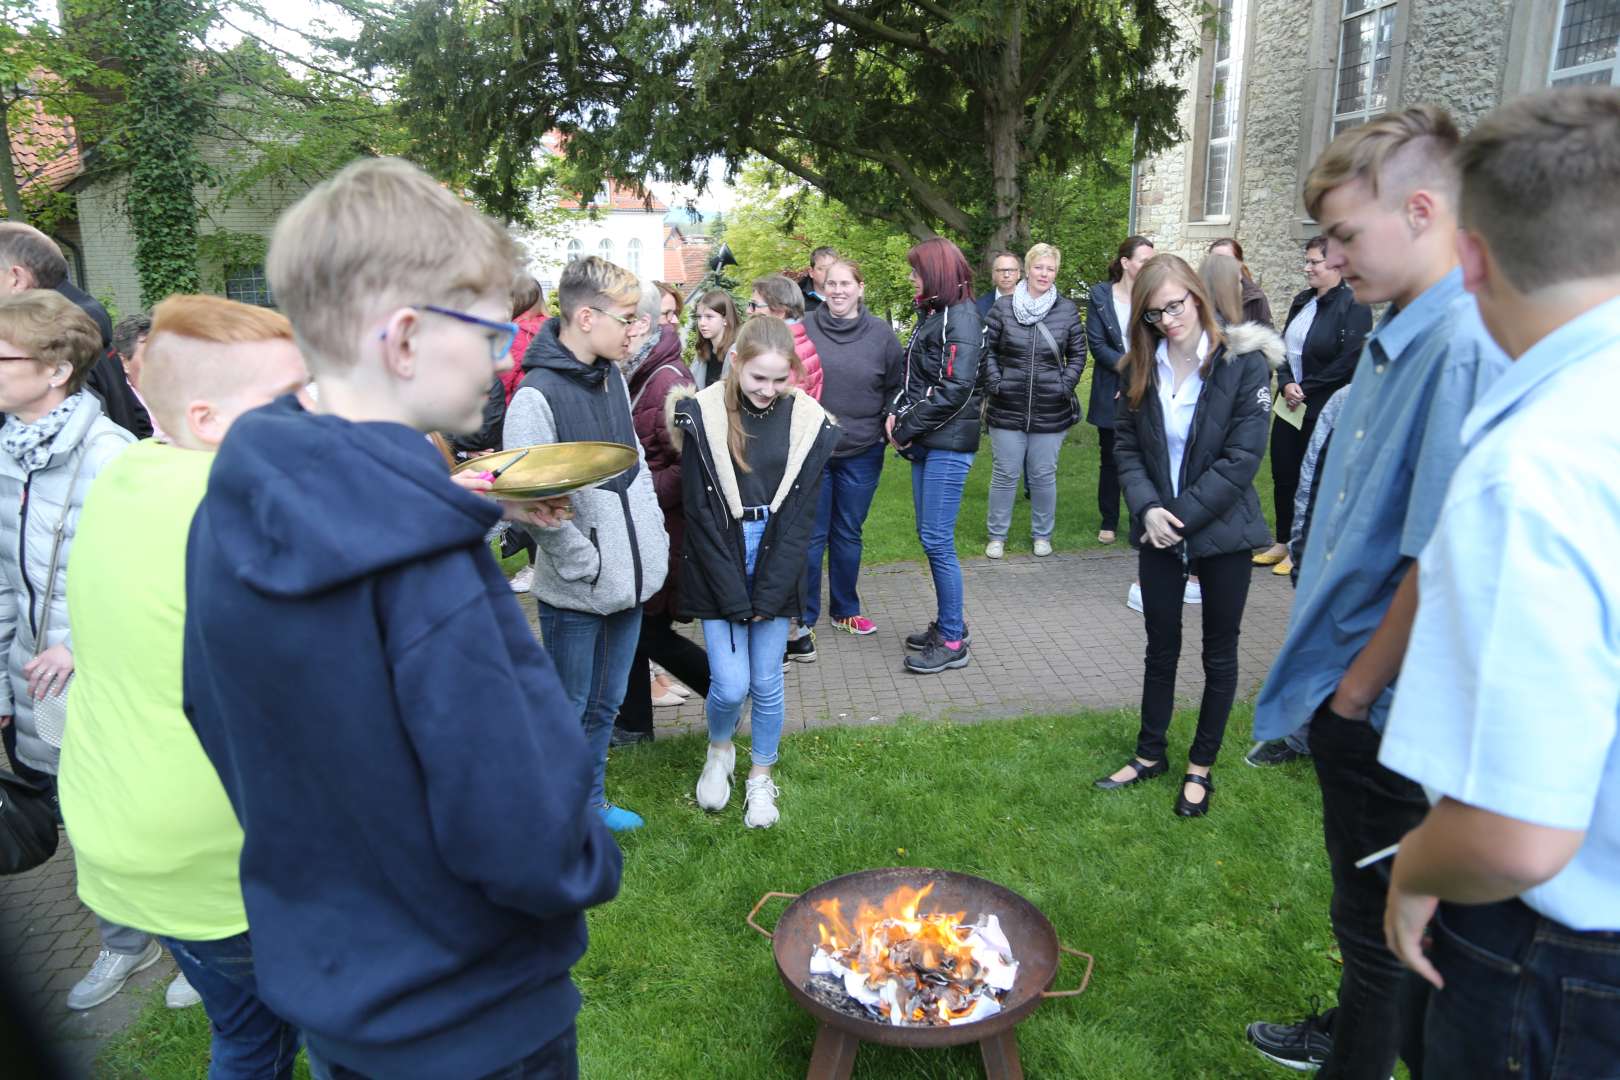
x,y
1122,312
1178,405
1294,338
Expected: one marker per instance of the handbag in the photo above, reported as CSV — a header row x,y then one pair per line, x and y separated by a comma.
x,y
50,711
28,833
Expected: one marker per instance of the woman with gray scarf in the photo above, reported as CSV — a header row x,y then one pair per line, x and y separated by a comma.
x,y
1034,355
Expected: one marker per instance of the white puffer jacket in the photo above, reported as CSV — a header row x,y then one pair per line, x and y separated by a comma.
x,y
30,507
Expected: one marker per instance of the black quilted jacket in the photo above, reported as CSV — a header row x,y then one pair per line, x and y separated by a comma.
x,y
1029,385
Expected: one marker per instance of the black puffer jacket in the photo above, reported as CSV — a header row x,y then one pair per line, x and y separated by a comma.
x,y
938,404
1031,387
714,582
1218,507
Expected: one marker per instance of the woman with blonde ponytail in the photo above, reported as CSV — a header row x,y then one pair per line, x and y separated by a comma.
x,y
753,448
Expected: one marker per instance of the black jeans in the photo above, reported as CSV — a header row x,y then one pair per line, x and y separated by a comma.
x,y
1107,481
1525,996
1287,454
1225,581
1365,808
679,656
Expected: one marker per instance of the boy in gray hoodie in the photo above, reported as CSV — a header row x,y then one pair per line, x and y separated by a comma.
x,y
592,573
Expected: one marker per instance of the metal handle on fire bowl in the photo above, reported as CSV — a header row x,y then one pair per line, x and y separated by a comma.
x,y
1085,980
766,899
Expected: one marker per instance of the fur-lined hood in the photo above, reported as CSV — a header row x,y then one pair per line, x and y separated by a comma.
x,y
1248,337
710,406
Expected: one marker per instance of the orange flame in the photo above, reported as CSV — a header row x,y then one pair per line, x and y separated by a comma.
x,y
933,941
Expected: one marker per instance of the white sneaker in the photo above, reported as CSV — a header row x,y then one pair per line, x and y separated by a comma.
x,y
109,973
760,803
1043,548
1193,593
180,994
1133,599
523,580
714,783
995,549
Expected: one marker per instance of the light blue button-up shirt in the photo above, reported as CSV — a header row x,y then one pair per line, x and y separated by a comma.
x,y
1392,453
1510,695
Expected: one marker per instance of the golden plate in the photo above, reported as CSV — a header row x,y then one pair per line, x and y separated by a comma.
x,y
552,468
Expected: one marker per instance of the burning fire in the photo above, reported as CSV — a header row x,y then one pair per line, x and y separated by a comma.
x,y
909,969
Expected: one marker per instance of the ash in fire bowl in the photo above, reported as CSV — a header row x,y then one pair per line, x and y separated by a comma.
x,y
894,966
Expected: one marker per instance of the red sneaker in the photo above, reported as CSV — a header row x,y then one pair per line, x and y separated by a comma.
x,y
859,625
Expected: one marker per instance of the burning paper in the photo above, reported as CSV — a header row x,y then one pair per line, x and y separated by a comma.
x,y
905,969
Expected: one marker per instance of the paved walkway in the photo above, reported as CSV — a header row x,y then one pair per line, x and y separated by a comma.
x,y
1049,635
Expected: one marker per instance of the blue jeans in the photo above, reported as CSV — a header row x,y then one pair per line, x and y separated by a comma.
x,y
846,497
745,661
557,1060
592,654
936,498
249,1041
1524,996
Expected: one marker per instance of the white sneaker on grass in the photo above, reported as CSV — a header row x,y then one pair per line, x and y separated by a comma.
x,y
995,549
523,580
109,973
760,803
714,783
181,994
1043,547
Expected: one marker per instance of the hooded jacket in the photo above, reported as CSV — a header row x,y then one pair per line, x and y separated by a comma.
x,y
1218,507
714,579
937,405
653,388
410,776
614,554
1106,340
808,357
861,363
1332,345
1029,386
31,505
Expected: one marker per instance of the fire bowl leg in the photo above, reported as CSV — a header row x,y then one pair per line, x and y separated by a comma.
x,y
834,1055
1001,1056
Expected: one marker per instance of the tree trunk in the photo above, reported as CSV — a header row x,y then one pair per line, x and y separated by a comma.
x,y
1004,131
8,181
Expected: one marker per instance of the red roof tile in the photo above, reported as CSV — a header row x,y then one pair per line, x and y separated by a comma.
x,y
43,149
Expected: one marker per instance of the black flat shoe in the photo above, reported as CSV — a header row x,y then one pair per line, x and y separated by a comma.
x,y
1143,772
1197,809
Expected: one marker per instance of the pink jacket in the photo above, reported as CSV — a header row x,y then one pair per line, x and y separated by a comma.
x,y
809,358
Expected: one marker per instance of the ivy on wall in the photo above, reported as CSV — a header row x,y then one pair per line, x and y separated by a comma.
x,y
222,251
166,112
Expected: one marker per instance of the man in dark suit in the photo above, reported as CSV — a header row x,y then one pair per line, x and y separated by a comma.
x,y
1005,271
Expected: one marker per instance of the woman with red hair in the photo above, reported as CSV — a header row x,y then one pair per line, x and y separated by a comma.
x,y
934,423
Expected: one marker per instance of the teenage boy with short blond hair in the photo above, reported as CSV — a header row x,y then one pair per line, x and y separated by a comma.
x,y
593,572
1385,194
409,775
155,843
1509,704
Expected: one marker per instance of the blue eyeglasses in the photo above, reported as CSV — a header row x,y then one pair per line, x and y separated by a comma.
x,y
501,333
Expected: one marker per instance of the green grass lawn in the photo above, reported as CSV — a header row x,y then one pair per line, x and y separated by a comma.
x,y
1198,926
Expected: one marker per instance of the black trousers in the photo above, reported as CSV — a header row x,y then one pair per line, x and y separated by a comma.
x,y
1287,454
1225,582
679,656
1366,807
1107,481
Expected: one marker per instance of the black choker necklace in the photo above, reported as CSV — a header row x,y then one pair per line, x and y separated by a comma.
x,y
756,410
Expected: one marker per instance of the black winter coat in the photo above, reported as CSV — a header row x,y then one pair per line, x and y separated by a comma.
x,y
1106,339
714,580
1031,388
1218,507
1333,345
938,404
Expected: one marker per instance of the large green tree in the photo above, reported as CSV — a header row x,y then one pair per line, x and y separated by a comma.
x,y
926,114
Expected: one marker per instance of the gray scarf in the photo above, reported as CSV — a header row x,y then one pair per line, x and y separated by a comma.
x,y
639,357
30,444
1029,310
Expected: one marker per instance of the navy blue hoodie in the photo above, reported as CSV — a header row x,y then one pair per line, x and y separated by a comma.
x,y
411,779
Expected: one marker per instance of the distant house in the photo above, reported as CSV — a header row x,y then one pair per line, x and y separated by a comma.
x,y
618,222
686,258
45,158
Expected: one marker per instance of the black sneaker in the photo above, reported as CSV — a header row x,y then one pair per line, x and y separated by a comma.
x,y
801,650
622,737
1275,752
1302,1047
924,638
936,658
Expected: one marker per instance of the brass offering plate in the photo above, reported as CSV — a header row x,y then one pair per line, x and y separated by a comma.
x,y
552,468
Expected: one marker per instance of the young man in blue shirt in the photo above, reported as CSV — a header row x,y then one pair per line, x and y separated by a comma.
x,y
417,851
1510,698
1385,195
